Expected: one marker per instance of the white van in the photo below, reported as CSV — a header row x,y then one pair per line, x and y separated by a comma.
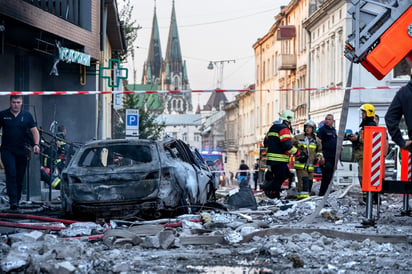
x,y
346,172
393,162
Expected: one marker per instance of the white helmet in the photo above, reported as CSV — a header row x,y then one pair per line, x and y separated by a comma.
x,y
287,115
310,123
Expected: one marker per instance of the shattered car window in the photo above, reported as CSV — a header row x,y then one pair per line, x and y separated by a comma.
x,y
116,155
169,153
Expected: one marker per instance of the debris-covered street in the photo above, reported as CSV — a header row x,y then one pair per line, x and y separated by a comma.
x,y
277,237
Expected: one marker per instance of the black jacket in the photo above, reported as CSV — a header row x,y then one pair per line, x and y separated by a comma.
x,y
329,141
278,142
401,105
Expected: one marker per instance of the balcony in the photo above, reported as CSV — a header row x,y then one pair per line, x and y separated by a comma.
x,y
287,61
68,10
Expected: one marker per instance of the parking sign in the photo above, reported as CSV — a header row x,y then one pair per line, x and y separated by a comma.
x,y
132,123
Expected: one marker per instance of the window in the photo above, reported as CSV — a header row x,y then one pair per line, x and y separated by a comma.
x,y
264,72
257,75
116,155
273,65
401,69
346,154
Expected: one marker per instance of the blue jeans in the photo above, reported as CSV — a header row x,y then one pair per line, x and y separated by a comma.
x,y
15,168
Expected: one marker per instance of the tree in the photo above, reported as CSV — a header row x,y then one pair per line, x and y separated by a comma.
x,y
129,27
148,128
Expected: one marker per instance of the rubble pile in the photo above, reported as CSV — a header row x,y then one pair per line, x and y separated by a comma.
x,y
275,237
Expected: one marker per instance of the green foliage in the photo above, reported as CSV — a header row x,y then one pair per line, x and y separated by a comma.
x,y
148,128
129,27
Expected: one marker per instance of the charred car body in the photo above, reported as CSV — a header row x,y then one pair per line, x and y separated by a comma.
x,y
140,177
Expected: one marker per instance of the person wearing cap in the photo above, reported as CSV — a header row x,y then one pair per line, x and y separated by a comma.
x,y
310,148
368,116
278,144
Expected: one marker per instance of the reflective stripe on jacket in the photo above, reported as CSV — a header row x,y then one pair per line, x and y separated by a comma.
x,y
278,144
311,147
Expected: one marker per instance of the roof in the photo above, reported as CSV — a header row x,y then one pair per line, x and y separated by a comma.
x,y
214,118
115,29
214,100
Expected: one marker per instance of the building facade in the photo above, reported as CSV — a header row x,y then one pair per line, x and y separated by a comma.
x,y
185,127
58,46
231,148
308,70
300,65
328,27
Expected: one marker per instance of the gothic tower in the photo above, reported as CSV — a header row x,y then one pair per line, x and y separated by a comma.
x,y
174,74
153,66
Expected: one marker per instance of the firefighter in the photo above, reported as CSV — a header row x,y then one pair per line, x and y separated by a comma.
x,y
368,116
278,143
310,148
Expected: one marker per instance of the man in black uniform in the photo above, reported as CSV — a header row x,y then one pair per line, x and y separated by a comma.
x,y
243,173
328,135
401,105
16,124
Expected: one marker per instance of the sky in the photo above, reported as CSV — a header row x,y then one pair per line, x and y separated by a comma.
x,y
211,30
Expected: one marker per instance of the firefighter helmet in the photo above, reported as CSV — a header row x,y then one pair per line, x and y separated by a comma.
x,y
287,115
369,110
310,123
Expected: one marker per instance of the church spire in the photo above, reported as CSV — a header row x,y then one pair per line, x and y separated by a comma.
x,y
174,74
173,52
154,58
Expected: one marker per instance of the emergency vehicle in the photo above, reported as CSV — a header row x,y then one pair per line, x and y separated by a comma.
x,y
214,160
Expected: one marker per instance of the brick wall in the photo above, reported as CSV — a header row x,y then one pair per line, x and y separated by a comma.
x,y
36,17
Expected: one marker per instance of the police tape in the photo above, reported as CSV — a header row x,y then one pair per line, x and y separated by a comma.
x,y
81,92
228,171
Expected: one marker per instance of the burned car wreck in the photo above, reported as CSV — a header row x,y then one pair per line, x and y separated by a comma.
x,y
143,178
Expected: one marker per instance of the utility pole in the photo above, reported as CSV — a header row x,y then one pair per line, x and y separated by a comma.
x,y
219,67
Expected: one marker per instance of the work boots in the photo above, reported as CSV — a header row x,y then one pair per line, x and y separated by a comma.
x,y
306,185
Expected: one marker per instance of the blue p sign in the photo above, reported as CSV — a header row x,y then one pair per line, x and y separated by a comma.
x,y
132,120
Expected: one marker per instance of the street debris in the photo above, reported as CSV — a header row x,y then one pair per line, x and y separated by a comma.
x,y
272,238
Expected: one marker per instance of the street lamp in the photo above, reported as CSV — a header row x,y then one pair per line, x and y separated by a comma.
x,y
219,66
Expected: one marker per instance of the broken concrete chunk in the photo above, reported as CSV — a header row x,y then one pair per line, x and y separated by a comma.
x,y
166,239
151,242
65,268
112,236
82,229
146,230
122,267
67,249
15,261
233,237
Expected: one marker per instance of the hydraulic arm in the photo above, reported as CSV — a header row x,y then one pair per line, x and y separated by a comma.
x,y
381,34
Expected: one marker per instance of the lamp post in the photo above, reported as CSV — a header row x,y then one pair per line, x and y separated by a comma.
x,y
219,66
